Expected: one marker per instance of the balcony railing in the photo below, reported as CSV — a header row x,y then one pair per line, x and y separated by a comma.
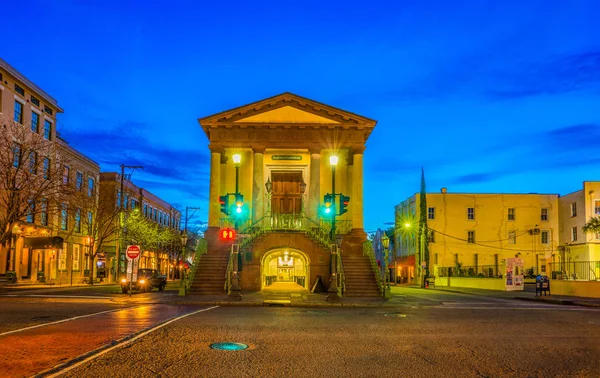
x,y
576,270
482,271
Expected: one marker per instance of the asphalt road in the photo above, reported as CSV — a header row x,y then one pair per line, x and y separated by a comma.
x,y
430,334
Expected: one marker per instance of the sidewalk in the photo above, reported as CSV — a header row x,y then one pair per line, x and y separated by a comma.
x,y
525,296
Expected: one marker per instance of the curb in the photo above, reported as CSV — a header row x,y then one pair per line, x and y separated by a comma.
x,y
298,305
565,302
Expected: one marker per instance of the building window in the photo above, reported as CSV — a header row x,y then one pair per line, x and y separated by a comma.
x,y
79,181
511,214
1,93
35,101
470,236
33,162
155,215
44,212
512,237
35,122
145,210
48,110
574,209
16,155
431,236
544,215
90,187
66,171
470,213
597,207
431,213
545,237
47,129
30,211
64,214
46,168
78,220
19,90
573,233
90,218
18,116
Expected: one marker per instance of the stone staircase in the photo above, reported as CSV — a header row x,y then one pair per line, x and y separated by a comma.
x,y
210,274
360,278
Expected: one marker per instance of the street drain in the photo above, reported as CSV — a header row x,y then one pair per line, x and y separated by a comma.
x,y
228,346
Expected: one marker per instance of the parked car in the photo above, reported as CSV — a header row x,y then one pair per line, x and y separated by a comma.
x,y
147,279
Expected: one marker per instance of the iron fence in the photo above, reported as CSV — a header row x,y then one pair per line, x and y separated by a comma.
x,y
483,271
576,270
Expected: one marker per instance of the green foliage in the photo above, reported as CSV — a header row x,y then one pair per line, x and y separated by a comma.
x,y
593,225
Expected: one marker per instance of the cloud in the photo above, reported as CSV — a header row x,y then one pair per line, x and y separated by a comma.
x,y
558,74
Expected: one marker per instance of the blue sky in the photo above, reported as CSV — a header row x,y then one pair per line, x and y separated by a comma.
x,y
487,96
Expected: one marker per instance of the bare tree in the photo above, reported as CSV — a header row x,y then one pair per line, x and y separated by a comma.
x,y
31,182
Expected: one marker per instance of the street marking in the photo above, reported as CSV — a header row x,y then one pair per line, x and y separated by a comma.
x,y
103,351
54,296
539,308
60,321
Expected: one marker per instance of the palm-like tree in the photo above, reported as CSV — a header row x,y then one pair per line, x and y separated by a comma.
x,y
593,225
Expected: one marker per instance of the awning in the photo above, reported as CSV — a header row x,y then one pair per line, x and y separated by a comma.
x,y
43,242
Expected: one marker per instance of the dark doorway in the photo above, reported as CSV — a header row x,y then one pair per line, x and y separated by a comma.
x,y
287,198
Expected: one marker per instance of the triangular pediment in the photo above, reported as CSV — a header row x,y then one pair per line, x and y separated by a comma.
x,y
287,108
286,114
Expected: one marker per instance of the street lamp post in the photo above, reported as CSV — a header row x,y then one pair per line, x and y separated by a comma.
x,y
333,160
183,282
235,292
385,241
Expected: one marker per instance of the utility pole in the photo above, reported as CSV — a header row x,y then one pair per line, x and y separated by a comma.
x,y
121,196
186,215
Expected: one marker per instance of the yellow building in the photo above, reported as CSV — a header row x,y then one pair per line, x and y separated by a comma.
x,y
31,251
477,232
579,252
291,150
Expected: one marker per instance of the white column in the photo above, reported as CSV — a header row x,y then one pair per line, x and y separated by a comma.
x,y
314,190
215,186
258,186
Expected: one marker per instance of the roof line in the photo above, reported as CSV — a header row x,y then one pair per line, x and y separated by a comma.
x,y
13,71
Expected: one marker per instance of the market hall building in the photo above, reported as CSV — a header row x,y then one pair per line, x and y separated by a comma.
x,y
283,154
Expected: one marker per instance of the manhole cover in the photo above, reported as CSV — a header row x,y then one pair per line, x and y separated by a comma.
x,y
228,346
395,315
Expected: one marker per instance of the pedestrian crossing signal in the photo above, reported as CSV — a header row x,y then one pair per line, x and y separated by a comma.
x,y
227,234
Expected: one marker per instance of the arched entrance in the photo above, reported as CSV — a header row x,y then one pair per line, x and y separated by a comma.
x,y
284,266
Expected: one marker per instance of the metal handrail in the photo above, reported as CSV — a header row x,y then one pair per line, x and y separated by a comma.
x,y
201,249
227,287
284,222
340,274
368,251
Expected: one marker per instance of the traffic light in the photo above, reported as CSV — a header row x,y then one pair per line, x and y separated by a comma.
x,y
227,234
344,200
224,201
239,202
328,202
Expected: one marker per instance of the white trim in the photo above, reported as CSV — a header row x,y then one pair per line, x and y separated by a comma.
x,y
19,98
1,87
48,118
34,109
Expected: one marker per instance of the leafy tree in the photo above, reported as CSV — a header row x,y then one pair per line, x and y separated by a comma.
x,y
31,183
593,225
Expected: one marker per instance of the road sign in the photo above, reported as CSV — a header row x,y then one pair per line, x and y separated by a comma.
x,y
133,252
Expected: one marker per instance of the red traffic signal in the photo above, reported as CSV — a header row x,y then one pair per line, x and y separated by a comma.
x,y
227,234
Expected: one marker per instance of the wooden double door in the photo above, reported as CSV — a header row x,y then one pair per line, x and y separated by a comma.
x,y
287,197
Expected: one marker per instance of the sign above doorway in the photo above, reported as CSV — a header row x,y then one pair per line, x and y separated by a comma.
x,y
287,157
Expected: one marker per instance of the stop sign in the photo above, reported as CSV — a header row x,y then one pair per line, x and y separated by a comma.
x,y
133,251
